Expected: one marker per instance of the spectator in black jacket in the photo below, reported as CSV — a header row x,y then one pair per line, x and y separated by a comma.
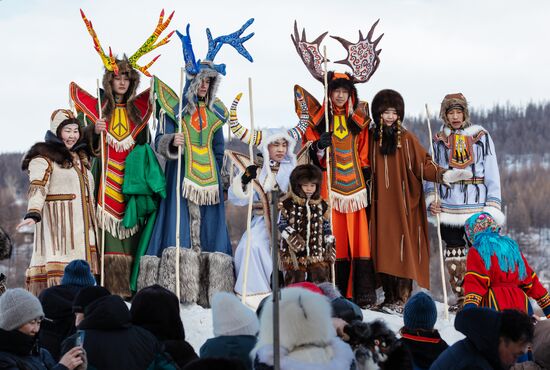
x,y
157,309
57,302
112,342
494,340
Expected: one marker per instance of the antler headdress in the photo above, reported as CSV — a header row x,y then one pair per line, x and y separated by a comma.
x,y
193,66
149,45
362,56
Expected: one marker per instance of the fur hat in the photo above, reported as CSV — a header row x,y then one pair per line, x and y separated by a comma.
x,y
385,99
345,80
88,295
60,118
306,173
192,85
420,312
454,101
306,319
78,273
231,317
267,177
18,307
157,309
124,68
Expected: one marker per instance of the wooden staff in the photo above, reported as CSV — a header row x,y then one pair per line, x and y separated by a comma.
x,y
103,184
251,190
178,187
438,222
327,154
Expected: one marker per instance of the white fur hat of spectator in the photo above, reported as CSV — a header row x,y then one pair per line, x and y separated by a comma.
x,y
305,319
231,317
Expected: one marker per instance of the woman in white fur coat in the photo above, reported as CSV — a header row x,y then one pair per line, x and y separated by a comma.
x,y
61,203
308,340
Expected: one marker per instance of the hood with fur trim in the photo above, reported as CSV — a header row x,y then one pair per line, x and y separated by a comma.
x,y
456,100
192,84
269,136
306,173
108,97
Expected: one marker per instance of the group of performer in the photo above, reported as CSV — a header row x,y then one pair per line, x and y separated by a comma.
x,y
356,197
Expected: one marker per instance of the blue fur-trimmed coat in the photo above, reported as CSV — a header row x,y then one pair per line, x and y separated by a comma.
x,y
463,199
214,236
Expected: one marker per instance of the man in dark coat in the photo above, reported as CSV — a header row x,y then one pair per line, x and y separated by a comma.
x,y
112,342
494,340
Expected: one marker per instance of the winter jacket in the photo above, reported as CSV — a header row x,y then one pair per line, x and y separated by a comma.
x,y
424,346
308,357
57,303
20,351
112,342
479,350
235,346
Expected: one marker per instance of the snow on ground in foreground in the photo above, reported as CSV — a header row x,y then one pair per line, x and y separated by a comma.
x,y
197,322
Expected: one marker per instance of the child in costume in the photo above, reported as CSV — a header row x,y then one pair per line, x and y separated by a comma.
x,y
199,134
399,226
349,170
123,118
275,166
307,248
61,203
463,145
497,273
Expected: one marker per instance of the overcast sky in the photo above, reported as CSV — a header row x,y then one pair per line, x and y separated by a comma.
x,y
492,51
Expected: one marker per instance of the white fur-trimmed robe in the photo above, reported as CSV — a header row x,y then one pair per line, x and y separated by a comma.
x,y
260,263
67,231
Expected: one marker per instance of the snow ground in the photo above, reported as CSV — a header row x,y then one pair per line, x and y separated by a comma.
x,y
197,322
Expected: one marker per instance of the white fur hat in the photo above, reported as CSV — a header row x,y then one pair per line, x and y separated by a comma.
x,y
231,317
58,116
305,319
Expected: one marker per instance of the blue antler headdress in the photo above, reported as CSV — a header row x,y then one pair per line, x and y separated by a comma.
x,y
206,67
193,66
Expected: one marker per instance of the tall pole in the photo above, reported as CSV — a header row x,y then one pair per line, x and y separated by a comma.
x,y
178,187
251,193
327,155
275,276
438,223
104,165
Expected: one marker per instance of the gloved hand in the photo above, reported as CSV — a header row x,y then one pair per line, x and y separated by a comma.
x,y
324,141
366,173
294,240
249,174
455,175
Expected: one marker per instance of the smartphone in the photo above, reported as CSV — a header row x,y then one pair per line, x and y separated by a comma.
x,y
79,338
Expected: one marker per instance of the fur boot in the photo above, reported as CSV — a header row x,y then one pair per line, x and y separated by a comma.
x,y
117,274
2,283
148,271
217,275
364,283
189,273
342,270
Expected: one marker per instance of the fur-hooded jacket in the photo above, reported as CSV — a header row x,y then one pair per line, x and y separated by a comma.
x,y
307,338
55,150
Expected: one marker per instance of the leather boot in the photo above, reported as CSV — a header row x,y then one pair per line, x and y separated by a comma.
x,y
342,270
364,283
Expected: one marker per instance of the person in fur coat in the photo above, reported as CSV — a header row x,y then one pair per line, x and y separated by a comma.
x,y
461,144
61,203
308,340
307,248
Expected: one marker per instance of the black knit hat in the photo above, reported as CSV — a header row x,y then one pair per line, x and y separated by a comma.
x,y
88,295
420,312
78,273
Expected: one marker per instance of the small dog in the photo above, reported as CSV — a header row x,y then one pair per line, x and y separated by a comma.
x,y
376,347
